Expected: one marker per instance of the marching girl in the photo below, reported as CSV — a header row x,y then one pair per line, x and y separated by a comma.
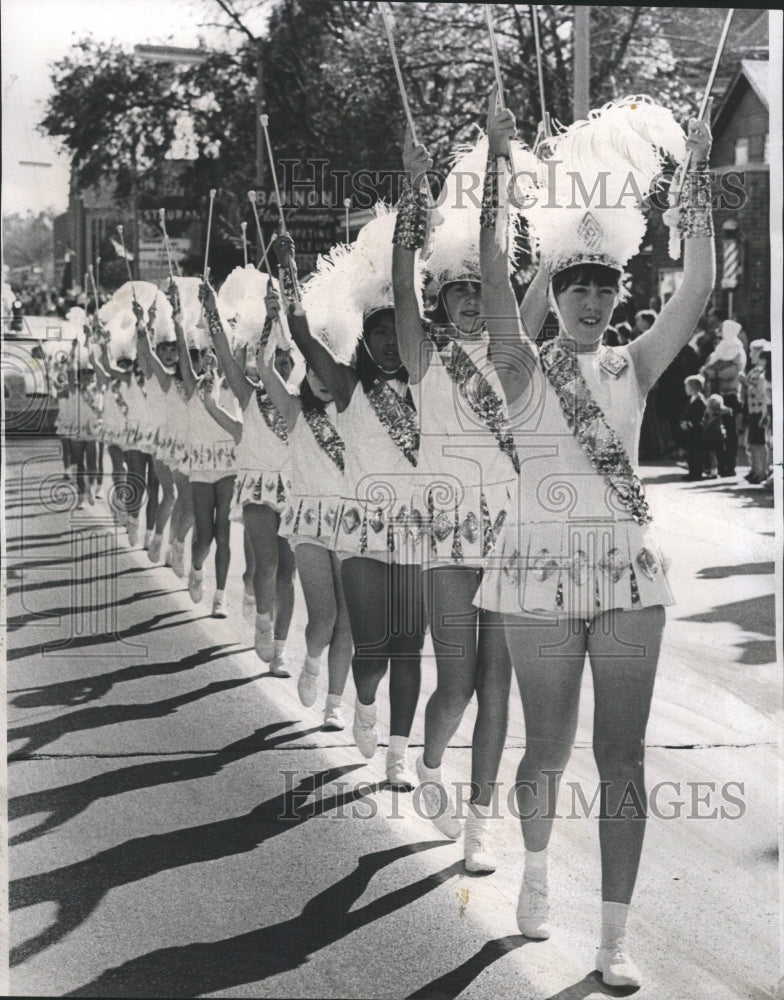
x,y
262,461
578,569
468,468
140,431
86,424
377,524
65,409
317,463
158,367
212,433
109,374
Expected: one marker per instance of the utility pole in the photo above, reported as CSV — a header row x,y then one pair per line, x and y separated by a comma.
x,y
260,152
581,41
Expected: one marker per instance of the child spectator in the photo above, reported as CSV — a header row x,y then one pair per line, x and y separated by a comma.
x,y
757,394
691,425
714,434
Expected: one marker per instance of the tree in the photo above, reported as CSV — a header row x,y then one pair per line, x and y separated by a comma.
x,y
115,113
27,240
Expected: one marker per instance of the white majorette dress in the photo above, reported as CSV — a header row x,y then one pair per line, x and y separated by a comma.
x,y
173,448
467,459
136,401
263,458
114,415
573,546
380,515
212,452
317,463
153,417
89,414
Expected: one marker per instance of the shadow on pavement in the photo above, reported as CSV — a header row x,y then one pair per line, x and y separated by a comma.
x,y
76,890
99,638
452,983
68,581
756,614
206,967
85,689
741,569
67,801
592,986
40,734
16,622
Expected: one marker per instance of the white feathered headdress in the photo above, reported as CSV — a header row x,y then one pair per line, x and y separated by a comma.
x,y
193,321
589,203
351,283
241,306
455,249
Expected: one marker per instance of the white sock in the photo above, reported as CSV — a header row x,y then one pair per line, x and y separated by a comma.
x,y
279,646
366,713
334,701
218,595
431,773
398,748
312,664
614,917
536,864
263,621
198,573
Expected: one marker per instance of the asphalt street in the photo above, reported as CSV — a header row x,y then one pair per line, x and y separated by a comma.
x,y
179,825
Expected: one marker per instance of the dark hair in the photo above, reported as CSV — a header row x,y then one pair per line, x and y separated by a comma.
x,y
365,367
439,314
586,274
310,401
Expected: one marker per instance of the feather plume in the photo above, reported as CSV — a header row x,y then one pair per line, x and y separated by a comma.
x,y
589,207
455,250
193,322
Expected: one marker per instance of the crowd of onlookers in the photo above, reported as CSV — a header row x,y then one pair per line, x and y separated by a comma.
x,y
715,396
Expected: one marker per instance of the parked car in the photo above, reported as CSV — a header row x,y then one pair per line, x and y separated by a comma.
x,y
29,361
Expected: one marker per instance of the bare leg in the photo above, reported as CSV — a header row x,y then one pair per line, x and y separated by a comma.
x,y
167,500
548,656
623,648
224,490
284,588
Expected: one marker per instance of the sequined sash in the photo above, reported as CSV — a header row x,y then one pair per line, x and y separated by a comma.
x,y
326,435
594,435
476,390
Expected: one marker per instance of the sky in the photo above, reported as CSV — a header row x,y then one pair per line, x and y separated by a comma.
x,y
35,33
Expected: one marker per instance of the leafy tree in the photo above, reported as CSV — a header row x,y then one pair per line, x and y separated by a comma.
x,y
115,113
27,240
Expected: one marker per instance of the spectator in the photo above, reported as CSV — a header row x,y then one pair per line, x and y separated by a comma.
x,y
691,426
714,434
722,373
757,393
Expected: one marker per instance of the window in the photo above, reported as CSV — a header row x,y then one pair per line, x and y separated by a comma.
x,y
741,151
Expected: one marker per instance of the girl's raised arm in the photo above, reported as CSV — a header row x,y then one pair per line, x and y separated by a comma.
x,y
413,343
512,353
340,379
189,380
239,383
286,404
656,348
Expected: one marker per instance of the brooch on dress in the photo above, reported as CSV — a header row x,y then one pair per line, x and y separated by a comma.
x,y
613,363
